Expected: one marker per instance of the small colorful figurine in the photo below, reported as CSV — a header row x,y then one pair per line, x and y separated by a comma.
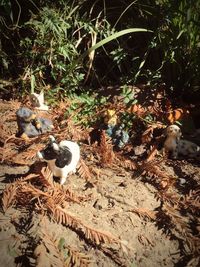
x,y
115,130
29,125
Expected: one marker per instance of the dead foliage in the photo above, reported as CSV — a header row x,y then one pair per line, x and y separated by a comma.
x,y
144,213
126,163
192,201
53,250
176,115
46,179
85,172
11,191
114,255
47,252
49,198
148,133
179,211
178,220
138,110
77,258
160,177
106,150
4,132
8,196
183,229
72,131
53,202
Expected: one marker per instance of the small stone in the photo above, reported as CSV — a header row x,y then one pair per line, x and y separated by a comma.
x,y
101,204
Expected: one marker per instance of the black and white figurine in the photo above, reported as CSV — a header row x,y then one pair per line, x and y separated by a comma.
x,y
61,158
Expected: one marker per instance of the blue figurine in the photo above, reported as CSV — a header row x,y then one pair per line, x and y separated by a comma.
x,y
29,125
119,136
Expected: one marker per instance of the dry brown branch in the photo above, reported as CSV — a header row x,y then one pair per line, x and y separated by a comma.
x,y
106,150
9,196
64,217
77,132
84,171
138,110
26,157
170,198
61,216
192,201
71,196
97,236
126,163
8,152
114,255
162,178
77,258
193,243
4,132
144,213
52,197
182,226
27,178
46,177
50,252
153,152
148,134
12,105
180,222
47,253
10,192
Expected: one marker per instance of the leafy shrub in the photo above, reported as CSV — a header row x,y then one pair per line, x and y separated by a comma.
x,y
53,47
173,52
53,35
84,106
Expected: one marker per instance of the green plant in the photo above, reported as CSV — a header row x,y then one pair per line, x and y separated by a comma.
x,y
128,95
84,106
68,44
50,53
175,46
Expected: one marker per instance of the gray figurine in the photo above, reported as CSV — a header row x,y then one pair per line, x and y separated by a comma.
x,y
29,125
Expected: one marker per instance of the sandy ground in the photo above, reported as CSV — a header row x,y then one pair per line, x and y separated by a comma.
x,y
120,203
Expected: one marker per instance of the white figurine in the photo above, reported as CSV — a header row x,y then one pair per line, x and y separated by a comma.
x,y
178,146
37,100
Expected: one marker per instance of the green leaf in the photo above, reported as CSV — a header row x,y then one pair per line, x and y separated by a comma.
x,y
32,83
12,252
107,40
61,243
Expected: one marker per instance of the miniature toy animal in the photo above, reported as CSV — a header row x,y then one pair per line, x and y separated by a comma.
x,y
119,136
177,146
115,129
37,101
61,158
29,125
